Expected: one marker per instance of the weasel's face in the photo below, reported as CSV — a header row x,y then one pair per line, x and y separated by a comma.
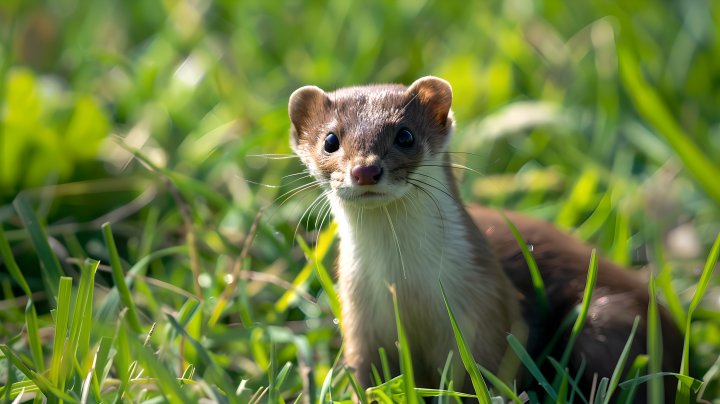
x,y
365,142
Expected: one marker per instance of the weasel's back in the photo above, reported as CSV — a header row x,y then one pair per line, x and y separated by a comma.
x,y
619,296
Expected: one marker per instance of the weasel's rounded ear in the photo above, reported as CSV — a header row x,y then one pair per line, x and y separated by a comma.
x,y
305,103
435,94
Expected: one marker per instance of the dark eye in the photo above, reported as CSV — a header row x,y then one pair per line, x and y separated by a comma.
x,y
404,138
332,143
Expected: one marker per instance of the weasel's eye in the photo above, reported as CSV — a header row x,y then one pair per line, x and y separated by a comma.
x,y
404,138
332,143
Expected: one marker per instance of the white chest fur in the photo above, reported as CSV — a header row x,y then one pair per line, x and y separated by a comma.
x,y
409,244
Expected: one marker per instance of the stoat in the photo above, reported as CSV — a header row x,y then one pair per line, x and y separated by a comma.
x,y
381,152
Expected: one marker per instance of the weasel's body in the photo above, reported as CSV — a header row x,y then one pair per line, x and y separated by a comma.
x,y
448,245
382,152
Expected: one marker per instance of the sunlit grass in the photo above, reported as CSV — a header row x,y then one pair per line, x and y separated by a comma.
x,y
599,117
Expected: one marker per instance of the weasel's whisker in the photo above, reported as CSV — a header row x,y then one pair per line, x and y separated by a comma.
x,y
441,212
275,156
432,186
274,186
397,242
453,165
322,209
438,181
299,189
317,239
300,173
319,198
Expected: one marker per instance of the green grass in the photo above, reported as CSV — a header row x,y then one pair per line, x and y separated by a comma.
x,y
599,117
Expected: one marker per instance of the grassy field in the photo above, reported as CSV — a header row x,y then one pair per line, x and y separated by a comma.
x,y
600,117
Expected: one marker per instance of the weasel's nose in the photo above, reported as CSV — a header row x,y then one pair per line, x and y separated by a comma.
x,y
366,175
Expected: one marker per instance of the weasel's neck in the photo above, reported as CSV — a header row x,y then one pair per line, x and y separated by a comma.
x,y
411,242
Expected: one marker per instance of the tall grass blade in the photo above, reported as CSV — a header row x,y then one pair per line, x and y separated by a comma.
x,y
531,366
61,325
31,322
580,322
535,276
571,381
112,300
119,280
686,381
207,367
87,282
683,393
362,397
325,390
631,395
42,383
499,384
49,263
323,276
11,265
167,383
562,393
639,366
481,389
653,109
580,372
664,281
621,362
406,368
654,345
601,391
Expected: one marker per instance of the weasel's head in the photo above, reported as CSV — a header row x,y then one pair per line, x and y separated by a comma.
x,y
365,142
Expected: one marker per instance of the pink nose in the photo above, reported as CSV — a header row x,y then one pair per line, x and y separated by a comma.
x,y
366,175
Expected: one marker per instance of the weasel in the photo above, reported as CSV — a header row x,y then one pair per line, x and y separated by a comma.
x,y
381,153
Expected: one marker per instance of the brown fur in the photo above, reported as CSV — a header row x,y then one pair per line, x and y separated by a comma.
x,y
619,296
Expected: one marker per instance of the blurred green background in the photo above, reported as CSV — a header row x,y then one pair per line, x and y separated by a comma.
x,y
599,116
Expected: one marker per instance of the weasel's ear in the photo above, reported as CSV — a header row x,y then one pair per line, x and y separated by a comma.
x,y
435,94
305,103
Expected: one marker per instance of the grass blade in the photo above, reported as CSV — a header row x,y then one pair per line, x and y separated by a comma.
x,y
654,345
42,383
638,366
208,368
537,280
31,322
621,363
406,368
11,265
323,275
577,380
325,389
504,388
531,366
683,392
362,398
573,383
580,322
562,393
61,325
49,263
167,383
87,281
653,109
601,391
686,381
470,365
119,280
566,323
632,390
